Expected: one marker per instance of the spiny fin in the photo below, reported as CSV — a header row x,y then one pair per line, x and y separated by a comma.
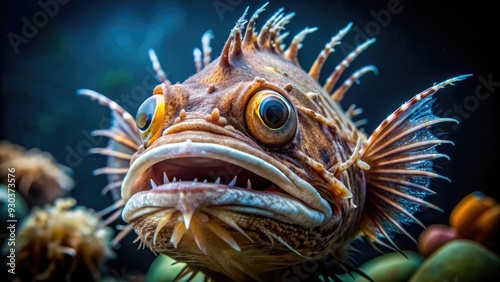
x,y
400,153
124,141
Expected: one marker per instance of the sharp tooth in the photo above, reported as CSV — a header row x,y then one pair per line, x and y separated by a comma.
x,y
187,216
153,184
165,178
217,181
249,184
233,182
205,181
195,180
174,180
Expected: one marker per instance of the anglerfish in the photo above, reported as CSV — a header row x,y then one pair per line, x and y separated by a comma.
x,y
251,165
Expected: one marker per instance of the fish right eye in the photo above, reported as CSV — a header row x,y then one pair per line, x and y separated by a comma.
x,y
149,118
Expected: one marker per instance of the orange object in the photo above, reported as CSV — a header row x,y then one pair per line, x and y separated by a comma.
x,y
487,224
467,212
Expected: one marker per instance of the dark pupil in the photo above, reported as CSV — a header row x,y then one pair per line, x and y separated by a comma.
x,y
145,113
274,112
143,121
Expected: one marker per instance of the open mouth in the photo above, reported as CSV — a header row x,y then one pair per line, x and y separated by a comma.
x,y
199,176
173,173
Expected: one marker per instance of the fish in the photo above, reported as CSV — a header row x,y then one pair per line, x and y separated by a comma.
x,y
251,165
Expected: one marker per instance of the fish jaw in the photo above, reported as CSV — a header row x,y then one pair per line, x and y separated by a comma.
x,y
201,154
168,215
185,157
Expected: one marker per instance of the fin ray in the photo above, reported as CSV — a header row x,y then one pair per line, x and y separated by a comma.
x,y
124,141
400,153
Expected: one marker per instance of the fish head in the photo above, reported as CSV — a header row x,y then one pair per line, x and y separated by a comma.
x,y
234,171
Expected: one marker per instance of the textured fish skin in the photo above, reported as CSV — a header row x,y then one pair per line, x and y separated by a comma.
x,y
303,191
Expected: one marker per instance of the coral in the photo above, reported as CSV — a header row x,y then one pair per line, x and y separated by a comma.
x,y
39,178
10,151
59,243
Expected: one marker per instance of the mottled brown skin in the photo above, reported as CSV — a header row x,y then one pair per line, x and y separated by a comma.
x,y
253,69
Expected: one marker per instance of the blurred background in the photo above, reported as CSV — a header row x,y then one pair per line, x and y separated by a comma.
x,y
103,45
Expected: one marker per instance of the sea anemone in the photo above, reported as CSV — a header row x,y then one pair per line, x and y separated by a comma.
x,y
39,178
59,243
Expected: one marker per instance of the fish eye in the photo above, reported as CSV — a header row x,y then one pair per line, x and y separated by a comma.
x,y
149,118
273,111
270,117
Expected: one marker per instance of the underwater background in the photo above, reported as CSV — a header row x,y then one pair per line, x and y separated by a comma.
x,y
103,45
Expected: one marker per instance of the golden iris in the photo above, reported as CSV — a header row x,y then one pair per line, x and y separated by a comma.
x,y
270,117
150,117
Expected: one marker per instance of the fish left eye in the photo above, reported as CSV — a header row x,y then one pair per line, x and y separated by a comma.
x,y
149,118
270,117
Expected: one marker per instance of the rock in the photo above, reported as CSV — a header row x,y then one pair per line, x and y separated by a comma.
x,y
459,260
434,238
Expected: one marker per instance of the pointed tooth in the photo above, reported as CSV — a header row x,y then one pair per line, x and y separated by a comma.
x,y
153,184
205,181
174,180
161,223
198,236
195,180
222,215
233,182
249,184
223,234
217,181
177,233
187,216
165,178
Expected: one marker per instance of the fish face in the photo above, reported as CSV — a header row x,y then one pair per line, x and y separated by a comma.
x,y
227,174
251,166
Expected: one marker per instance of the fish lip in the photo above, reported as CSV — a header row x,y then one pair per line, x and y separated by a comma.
x,y
269,205
287,181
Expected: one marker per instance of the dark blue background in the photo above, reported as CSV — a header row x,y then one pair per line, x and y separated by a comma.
x,y
102,45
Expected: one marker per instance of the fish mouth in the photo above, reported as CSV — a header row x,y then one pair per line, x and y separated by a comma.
x,y
170,189
218,175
